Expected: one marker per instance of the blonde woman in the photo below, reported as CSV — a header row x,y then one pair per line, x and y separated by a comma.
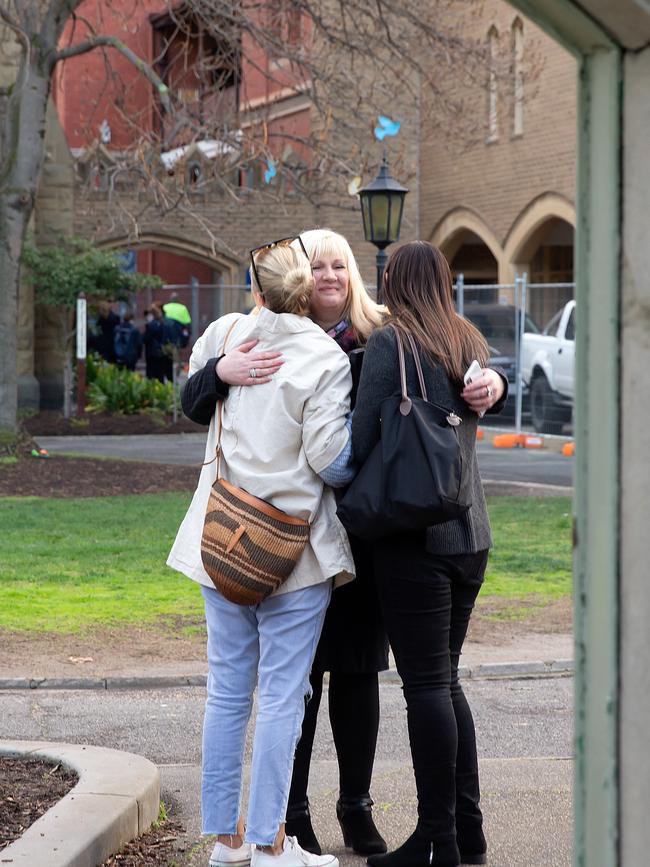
x,y
353,645
280,442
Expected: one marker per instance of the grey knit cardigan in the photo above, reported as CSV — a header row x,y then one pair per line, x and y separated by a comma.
x,y
379,380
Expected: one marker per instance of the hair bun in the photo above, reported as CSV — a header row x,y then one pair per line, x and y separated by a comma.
x,y
298,284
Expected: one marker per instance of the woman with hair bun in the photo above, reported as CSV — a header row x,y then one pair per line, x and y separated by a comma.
x,y
285,442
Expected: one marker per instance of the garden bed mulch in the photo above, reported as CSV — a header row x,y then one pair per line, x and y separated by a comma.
x,y
50,423
59,476
158,847
27,790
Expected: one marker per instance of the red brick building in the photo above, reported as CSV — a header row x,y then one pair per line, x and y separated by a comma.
x,y
101,96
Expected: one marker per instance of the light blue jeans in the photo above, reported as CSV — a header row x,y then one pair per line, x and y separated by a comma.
x,y
274,643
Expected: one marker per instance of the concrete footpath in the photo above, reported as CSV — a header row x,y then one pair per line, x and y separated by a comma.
x,y
118,794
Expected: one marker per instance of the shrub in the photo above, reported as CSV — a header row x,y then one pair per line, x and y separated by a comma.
x,y
115,389
93,363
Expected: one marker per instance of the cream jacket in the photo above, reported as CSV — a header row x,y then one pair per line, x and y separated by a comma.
x,y
276,438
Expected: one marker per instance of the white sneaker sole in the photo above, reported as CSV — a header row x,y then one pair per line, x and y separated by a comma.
x,y
244,862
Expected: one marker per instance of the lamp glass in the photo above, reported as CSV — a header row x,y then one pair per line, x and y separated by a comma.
x,y
380,212
365,213
397,204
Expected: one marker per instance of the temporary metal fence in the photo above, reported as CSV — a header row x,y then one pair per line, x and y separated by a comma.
x,y
483,302
205,301
503,312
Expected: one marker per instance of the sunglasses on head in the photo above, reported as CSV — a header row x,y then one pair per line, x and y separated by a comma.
x,y
281,242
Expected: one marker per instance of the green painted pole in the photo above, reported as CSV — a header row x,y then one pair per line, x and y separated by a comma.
x,y
597,418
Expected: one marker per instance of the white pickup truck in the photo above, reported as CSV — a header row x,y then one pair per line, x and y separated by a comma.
x,y
547,369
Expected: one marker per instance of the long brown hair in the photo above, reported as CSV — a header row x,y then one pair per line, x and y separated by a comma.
x,y
418,293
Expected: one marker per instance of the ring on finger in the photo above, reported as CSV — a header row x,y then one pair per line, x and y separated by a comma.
x,y
489,390
252,373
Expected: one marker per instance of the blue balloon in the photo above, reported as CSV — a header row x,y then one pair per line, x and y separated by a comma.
x,y
387,127
270,172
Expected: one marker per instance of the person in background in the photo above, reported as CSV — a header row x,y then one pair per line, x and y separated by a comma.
x,y
284,442
180,316
127,342
428,579
102,340
160,342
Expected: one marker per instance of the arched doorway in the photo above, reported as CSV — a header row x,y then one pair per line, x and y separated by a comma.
x,y
472,250
470,256
210,282
201,286
548,254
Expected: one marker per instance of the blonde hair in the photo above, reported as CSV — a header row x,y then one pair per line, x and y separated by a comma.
x,y
364,314
286,279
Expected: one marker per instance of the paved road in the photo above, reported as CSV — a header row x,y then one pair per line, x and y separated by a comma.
x,y
519,465
524,465
524,740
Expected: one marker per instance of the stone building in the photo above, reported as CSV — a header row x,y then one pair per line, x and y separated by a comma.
x,y
506,205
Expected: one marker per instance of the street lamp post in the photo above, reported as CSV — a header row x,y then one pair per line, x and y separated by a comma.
x,y
382,205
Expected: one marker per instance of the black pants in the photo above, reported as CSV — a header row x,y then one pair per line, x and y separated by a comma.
x,y
427,601
159,367
354,717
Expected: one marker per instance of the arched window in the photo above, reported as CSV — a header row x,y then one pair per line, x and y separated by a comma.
x,y
493,89
194,174
518,76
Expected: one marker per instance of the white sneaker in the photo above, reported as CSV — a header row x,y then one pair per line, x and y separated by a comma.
x,y
293,855
224,856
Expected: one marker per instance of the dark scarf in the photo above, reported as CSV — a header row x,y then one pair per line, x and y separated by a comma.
x,y
345,335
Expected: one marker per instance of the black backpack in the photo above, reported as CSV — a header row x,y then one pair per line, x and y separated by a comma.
x,y
125,343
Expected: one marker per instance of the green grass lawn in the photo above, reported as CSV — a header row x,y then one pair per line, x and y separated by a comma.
x,y
66,565
532,547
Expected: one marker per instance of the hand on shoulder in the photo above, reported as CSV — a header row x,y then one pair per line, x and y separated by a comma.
x,y
242,366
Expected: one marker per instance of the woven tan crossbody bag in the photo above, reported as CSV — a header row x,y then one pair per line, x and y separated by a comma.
x,y
248,547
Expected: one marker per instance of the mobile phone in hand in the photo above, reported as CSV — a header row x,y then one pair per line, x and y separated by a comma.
x,y
473,372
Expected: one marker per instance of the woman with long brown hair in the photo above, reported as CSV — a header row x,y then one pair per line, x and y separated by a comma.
x,y
428,579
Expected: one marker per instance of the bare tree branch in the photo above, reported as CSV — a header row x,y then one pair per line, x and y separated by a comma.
x,y
10,21
113,42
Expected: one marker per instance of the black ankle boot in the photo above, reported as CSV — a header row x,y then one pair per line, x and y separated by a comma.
x,y
359,830
419,851
298,824
472,845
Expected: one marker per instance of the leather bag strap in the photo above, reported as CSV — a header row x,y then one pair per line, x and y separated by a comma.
x,y
217,451
418,365
405,403
402,365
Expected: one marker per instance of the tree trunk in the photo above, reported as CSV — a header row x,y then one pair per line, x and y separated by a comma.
x,y
68,332
67,385
22,163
